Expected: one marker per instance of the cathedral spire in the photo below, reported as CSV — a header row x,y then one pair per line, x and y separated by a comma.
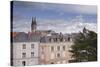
x,y
33,24
33,20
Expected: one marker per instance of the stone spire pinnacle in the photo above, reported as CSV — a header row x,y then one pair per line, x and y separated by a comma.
x,y
33,24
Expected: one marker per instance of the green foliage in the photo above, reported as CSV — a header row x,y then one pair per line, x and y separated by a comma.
x,y
85,47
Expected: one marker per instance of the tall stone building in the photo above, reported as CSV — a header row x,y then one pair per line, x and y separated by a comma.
x,y
25,47
54,49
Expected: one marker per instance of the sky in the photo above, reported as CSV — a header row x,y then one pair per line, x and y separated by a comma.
x,y
65,18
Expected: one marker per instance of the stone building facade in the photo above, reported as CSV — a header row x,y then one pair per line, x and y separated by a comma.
x,y
25,47
54,49
25,54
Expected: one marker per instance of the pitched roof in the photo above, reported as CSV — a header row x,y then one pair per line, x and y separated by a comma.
x,y
37,37
55,37
14,34
26,37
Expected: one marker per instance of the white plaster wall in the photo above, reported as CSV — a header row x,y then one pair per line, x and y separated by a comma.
x,y
17,53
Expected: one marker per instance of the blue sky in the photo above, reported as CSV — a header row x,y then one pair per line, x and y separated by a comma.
x,y
53,15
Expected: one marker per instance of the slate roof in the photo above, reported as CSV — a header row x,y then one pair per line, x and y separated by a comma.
x,y
55,37
36,37
26,37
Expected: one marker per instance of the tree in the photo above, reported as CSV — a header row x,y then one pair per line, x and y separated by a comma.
x,y
85,47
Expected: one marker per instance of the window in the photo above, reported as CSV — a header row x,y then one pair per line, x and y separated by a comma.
x,y
64,39
52,40
56,39
61,39
52,48
52,62
58,48
32,54
23,55
68,38
58,55
64,48
32,46
24,46
23,63
42,49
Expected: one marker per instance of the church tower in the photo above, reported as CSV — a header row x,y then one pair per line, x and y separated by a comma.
x,y
33,25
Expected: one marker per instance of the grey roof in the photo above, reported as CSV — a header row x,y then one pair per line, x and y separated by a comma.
x,y
55,37
25,37
74,36
34,37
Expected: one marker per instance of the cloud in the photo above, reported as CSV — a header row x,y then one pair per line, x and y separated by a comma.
x,y
74,25
24,10
71,27
64,26
70,8
85,9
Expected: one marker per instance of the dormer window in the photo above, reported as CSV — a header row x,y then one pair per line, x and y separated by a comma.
x,y
58,39
55,39
64,39
68,38
61,39
52,40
